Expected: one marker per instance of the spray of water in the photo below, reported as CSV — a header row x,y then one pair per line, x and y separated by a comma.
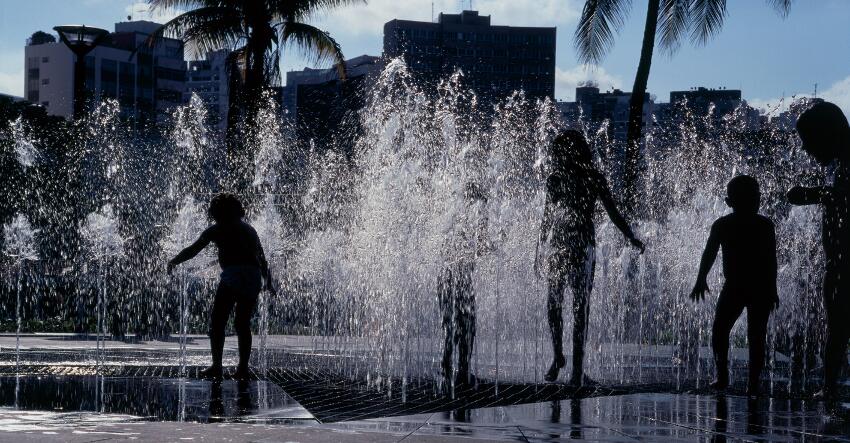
x,y
356,240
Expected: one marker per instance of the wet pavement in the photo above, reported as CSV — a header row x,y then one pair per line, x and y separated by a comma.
x,y
58,392
637,417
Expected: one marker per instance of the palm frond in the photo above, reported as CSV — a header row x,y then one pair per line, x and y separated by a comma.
x,y
182,4
783,7
594,35
707,18
179,6
300,10
203,30
673,23
315,44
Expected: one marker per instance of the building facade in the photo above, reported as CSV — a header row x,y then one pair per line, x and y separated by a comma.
x,y
495,60
721,107
147,82
357,67
326,109
208,78
593,108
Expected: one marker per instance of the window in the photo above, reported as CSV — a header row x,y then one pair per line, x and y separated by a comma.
x,y
45,81
108,78
45,104
45,59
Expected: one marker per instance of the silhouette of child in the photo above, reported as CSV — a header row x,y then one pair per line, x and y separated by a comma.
x,y
826,136
456,297
571,194
243,266
748,240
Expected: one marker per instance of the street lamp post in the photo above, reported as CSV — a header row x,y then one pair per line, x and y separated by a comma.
x,y
80,39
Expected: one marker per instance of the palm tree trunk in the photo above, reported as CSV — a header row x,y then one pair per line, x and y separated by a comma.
x,y
633,135
242,116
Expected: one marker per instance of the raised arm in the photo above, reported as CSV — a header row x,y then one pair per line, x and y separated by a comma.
x,y
616,217
264,268
772,264
546,222
800,195
191,251
708,257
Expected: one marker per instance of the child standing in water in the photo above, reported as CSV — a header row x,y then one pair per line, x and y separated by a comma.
x,y
465,244
572,191
748,240
243,268
825,133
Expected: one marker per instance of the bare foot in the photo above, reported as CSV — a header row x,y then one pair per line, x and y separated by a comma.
x,y
212,372
555,368
242,374
719,385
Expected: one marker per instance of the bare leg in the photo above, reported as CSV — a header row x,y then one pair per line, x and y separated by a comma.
x,y
582,285
446,299
242,324
837,306
727,313
554,308
757,318
465,328
222,305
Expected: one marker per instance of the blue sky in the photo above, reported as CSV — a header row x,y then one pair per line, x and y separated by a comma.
x,y
766,56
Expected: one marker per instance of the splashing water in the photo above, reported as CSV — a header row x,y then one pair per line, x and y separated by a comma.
x,y
104,245
19,246
25,149
357,240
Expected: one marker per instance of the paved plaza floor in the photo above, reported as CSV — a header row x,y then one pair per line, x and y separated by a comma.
x,y
54,394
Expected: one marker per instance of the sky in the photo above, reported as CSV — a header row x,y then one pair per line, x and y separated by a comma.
x,y
765,55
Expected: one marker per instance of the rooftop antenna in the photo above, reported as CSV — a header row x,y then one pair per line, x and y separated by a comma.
x,y
432,12
816,90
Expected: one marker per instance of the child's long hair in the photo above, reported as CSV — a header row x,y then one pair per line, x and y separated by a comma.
x,y
225,207
570,150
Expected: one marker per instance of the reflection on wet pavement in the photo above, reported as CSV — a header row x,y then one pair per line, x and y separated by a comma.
x,y
127,402
154,398
60,391
652,417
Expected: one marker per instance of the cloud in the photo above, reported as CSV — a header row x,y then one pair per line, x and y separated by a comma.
x,y
369,19
12,72
12,83
567,80
838,93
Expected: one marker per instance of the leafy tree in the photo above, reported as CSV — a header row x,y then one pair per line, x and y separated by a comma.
x,y
40,38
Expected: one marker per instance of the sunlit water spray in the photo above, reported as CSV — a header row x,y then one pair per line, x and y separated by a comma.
x,y
358,240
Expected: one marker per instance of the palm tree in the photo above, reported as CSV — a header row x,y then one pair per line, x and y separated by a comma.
x,y
256,31
675,19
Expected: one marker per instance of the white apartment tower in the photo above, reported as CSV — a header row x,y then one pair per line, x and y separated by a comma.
x,y
147,82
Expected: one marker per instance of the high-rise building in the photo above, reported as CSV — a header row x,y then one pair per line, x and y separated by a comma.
x,y
355,68
594,108
723,105
208,78
324,107
147,82
495,60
